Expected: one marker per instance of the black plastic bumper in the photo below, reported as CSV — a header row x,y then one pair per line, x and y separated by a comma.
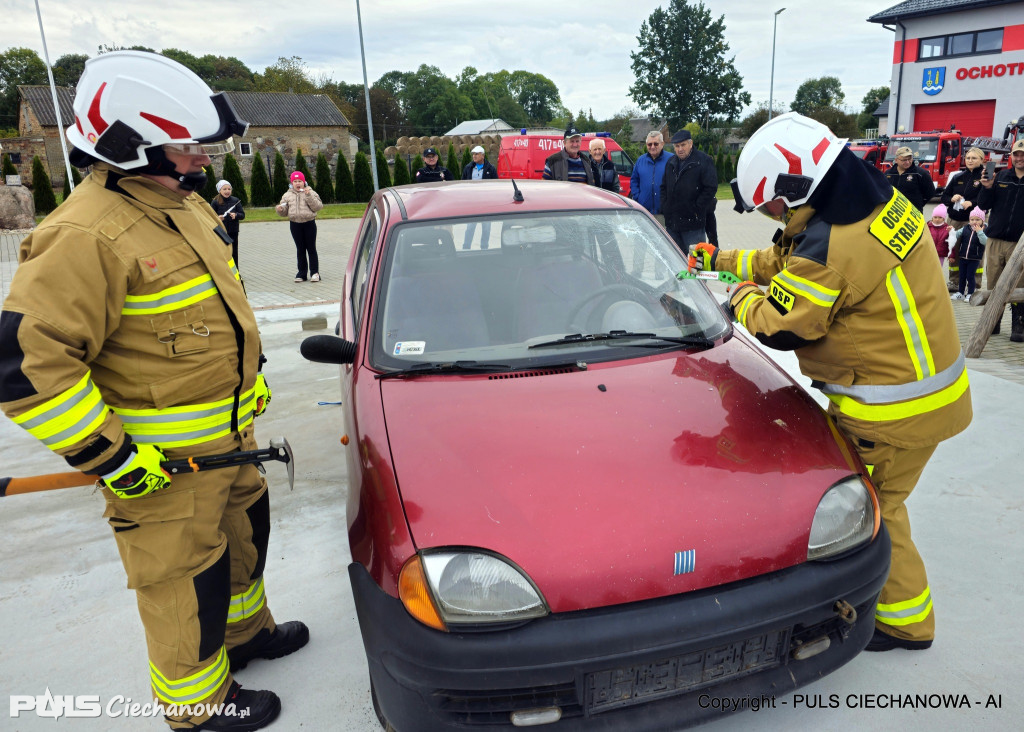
x,y
653,665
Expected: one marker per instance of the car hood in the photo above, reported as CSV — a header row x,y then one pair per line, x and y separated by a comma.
x,y
622,482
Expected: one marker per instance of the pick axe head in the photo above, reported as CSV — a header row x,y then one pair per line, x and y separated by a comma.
x,y
286,456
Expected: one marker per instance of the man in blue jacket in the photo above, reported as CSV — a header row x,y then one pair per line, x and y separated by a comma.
x,y
648,172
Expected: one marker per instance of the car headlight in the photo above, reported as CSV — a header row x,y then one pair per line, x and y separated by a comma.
x,y
442,588
847,516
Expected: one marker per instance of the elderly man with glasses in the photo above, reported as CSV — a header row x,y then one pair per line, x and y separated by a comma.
x,y
648,172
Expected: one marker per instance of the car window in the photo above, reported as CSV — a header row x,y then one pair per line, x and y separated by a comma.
x,y
488,288
360,274
623,163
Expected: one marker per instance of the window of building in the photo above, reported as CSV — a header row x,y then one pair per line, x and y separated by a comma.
x,y
961,44
15,157
245,149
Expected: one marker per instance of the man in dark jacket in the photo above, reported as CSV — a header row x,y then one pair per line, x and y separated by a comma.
x,y
567,163
1003,198
688,191
432,171
605,174
910,180
479,169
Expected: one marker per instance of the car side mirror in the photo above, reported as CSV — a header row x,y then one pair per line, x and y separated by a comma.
x,y
328,349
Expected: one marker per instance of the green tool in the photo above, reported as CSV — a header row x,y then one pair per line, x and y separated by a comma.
x,y
727,277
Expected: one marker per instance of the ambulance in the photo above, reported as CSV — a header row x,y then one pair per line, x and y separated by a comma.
x,y
523,156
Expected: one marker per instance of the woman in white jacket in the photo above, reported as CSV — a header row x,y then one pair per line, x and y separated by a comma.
x,y
300,204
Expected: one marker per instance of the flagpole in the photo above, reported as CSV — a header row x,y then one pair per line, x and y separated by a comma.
x,y
56,104
366,90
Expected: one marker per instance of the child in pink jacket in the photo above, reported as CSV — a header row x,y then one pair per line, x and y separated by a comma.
x,y
940,230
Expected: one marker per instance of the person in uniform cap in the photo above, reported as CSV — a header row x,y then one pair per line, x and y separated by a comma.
x,y
567,163
910,180
432,171
480,169
1003,197
688,191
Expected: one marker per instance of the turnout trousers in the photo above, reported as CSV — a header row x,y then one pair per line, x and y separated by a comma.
x,y
194,553
905,605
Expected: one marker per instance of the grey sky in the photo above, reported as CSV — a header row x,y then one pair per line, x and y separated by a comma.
x,y
583,47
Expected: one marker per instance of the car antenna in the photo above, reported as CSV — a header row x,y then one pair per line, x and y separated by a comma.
x,y
518,196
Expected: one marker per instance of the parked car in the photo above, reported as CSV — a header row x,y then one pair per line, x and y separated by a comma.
x,y
577,495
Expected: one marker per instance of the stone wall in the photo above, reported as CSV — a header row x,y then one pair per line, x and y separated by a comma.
x,y
288,141
46,144
29,146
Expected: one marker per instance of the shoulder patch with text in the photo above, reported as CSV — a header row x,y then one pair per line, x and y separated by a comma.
x,y
898,226
780,296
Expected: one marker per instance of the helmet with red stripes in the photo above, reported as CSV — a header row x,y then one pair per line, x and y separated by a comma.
x,y
783,162
128,102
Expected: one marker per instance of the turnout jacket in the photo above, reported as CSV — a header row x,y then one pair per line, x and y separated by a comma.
x,y
127,317
966,183
865,308
914,183
1005,203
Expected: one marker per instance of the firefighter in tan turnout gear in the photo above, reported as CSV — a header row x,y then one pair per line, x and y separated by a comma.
x,y
855,289
127,339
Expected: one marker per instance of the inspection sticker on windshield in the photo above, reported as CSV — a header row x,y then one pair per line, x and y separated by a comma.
x,y
898,226
410,348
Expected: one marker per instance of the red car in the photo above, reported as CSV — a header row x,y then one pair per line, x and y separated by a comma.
x,y
578,496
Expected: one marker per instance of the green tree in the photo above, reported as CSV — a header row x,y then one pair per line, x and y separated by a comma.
x,y
287,74
17,66
209,191
435,103
6,166
302,167
452,163
262,193
537,94
753,121
417,163
869,104
681,68
233,175
825,91
467,158
841,123
68,69
344,188
402,176
363,179
383,176
42,190
324,186
280,179
76,178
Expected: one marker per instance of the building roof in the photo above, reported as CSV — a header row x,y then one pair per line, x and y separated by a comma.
x,y
920,8
882,110
287,109
479,127
41,101
642,125
259,109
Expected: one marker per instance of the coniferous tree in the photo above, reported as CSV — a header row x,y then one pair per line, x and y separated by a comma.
x,y
7,167
402,176
453,162
262,193
363,179
467,158
344,188
301,166
233,175
209,191
280,179
76,178
42,190
383,176
324,186
417,163
720,165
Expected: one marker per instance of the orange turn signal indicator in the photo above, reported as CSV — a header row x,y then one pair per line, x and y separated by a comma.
x,y
415,595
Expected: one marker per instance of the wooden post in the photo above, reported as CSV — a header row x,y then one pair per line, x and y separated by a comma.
x,y
1000,295
980,297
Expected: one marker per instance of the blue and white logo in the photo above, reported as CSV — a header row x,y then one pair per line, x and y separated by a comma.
x,y
685,562
933,80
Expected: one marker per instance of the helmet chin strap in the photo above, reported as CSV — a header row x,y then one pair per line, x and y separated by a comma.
x,y
160,165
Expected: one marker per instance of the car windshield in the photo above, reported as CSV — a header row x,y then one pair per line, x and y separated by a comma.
x,y
525,290
924,148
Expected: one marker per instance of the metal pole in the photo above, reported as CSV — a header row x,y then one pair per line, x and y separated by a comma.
x,y
771,84
366,90
56,104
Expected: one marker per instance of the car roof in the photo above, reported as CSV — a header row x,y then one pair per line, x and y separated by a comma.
x,y
473,198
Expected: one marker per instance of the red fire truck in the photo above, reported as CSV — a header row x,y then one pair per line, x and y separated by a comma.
x,y
941,152
871,151
523,156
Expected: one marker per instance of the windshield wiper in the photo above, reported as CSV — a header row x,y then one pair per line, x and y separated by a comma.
x,y
448,367
696,341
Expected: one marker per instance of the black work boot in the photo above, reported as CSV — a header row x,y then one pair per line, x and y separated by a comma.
x,y
884,642
1017,322
995,328
244,710
286,638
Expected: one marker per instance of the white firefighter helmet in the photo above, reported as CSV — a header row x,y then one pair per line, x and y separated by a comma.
x,y
783,162
130,101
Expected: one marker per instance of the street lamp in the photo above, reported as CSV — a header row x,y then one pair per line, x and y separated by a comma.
x,y
771,84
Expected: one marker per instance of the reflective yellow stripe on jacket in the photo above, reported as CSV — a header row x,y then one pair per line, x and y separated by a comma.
x,y
248,603
904,613
173,298
194,688
67,418
187,425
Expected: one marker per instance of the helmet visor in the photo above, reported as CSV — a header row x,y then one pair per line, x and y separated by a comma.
x,y
205,148
774,209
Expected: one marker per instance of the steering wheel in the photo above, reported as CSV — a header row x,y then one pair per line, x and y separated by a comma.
x,y
632,292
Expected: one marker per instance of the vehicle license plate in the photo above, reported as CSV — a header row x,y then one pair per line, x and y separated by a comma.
x,y
629,685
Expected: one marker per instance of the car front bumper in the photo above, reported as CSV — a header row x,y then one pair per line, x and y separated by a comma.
x,y
655,665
